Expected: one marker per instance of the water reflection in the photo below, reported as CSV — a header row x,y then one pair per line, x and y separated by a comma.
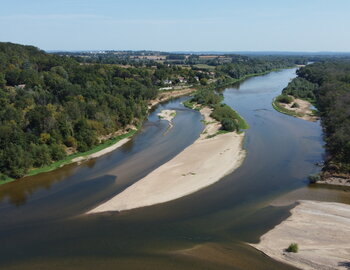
x,y
16,192
205,230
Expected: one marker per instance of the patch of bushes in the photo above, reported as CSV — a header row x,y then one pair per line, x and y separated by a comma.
x,y
229,118
295,105
284,99
314,178
293,247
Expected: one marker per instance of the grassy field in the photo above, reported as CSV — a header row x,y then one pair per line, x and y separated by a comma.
x,y
205,66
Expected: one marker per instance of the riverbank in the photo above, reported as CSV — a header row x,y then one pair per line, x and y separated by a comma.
x,y
105,147
201,164
167,95
343,180
322,232
298,108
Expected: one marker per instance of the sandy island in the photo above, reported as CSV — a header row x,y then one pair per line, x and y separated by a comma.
x,y
322,232
304,110
201,164
167,115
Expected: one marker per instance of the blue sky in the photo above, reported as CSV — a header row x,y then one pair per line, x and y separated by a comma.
x,y
178,25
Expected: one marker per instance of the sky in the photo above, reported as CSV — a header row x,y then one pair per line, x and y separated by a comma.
x,y
178,25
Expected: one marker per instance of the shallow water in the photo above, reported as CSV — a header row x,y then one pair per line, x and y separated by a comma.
x,y
42,226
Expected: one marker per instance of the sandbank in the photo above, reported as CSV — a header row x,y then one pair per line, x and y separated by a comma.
x,y
201,164
322,232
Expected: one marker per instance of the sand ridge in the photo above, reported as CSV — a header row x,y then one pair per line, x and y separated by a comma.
x,y
201,164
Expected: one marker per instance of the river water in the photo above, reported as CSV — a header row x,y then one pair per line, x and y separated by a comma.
x,y
42,225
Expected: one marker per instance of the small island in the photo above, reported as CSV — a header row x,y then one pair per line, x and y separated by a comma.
x,y
296,107
217,152
167,115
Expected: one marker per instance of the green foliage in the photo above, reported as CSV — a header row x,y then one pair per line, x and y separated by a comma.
x,y
281,109
284,99
49,102
206,97
223,111
203,81
295,105
301,88
314,178
241,66
229,124
333,102
293,247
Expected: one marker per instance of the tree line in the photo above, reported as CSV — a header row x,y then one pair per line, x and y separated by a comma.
x,y
328,84
52,105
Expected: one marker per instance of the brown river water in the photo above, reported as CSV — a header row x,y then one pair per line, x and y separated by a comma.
x,y
43,226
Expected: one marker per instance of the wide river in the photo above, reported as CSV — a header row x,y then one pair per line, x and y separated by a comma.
x,y
43,226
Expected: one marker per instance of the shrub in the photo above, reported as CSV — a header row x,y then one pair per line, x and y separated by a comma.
x,y
57,152
314,178
284,99
71,142
293,247
295,105
229,124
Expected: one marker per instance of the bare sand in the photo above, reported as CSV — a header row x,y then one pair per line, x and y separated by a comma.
x,y
167,115
166,95
335,180
211,125
303,110
322,232
102,152
201,164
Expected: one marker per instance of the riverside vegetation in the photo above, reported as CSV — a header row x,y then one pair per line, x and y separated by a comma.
x,y
229,119
55,107
327,85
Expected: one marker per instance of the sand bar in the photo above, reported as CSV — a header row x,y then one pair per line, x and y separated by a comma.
x,y
201,164
304,109
167,95
102,152
167,115
322,232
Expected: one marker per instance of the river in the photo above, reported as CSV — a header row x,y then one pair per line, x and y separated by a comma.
x,y
42,224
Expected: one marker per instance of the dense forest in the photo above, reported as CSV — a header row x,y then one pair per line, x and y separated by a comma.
x,y
52,105
328,84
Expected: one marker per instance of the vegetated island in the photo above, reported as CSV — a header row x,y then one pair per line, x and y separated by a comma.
x,y
217,152
296,107
326,85
315,237
57,109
